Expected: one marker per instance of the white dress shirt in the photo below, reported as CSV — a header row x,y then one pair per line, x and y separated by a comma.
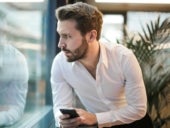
x,y
116,96
13,84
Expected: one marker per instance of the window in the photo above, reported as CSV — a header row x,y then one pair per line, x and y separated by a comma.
x,y
22,26
112,28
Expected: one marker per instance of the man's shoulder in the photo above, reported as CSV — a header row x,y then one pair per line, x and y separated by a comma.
x,y
60,59
11,50
114,47
10,53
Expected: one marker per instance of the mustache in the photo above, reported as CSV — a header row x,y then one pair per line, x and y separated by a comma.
x,y
65,50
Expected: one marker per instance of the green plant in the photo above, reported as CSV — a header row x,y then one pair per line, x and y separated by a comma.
x,y
152,52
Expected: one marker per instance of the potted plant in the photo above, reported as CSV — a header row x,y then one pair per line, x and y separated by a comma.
x,y
153,54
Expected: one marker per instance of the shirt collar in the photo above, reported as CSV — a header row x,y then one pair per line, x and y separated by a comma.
x,y
103,56
75,63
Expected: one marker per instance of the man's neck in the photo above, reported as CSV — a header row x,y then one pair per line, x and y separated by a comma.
x,y
91,60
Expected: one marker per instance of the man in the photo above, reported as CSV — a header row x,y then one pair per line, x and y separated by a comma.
x,y
105,76
13,84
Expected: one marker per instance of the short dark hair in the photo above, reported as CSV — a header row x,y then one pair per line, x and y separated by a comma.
x,y
87,17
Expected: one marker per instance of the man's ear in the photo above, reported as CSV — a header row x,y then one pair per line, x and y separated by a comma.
x,y
92,35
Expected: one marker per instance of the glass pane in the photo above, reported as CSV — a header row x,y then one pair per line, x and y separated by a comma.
x,y
112,27
140,19
21,27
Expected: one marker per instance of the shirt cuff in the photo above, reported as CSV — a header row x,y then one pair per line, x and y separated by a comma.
x,y
106,121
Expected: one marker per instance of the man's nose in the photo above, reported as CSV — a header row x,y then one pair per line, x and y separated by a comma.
x,y
61,44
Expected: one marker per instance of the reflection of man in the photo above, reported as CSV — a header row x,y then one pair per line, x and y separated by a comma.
x,y
13,84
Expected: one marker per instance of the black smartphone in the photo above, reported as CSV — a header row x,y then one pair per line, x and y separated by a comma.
x,y
71,112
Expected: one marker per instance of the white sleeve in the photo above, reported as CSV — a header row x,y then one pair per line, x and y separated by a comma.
x,y
10,116
135,97
61,91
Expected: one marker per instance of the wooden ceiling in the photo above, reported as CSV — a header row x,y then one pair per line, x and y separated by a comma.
x,y
110,7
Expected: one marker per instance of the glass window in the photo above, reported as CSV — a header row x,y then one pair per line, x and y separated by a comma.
x,y
21,25
140,19
112,28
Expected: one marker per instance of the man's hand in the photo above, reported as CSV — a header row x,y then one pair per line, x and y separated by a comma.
x,y
65,122
85,118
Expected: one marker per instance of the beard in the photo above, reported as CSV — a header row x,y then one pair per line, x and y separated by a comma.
x,y
78,53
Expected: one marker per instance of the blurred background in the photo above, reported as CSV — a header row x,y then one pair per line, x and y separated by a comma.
x,y
31,28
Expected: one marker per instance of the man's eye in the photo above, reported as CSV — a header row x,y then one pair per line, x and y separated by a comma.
x,y
64,36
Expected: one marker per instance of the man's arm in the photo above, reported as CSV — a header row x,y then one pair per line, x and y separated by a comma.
x,y
61,92
135,96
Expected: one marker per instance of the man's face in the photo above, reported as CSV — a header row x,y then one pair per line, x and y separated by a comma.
x,y
71,42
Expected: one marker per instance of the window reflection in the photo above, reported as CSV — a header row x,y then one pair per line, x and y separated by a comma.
x,y
13,84
21,28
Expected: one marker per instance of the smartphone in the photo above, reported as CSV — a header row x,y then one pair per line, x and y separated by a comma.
x,y
71,112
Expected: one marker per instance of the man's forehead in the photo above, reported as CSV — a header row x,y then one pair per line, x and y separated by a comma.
x,y
67,22
66,26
